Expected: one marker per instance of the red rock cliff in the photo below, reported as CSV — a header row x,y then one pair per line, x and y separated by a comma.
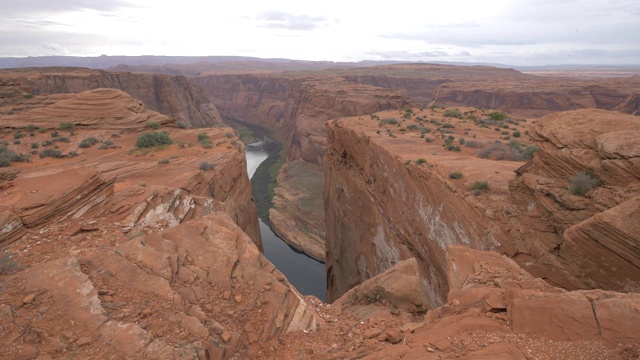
x,y
174,96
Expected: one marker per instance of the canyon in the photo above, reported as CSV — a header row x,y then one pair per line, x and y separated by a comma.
x,y
449,228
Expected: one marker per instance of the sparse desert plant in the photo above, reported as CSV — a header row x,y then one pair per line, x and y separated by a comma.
x,y
163,161
108,144
156,138
207,166
152,125
30,128
479,186
582,182
229,134
67,126
455,175
421,161
390,121
182,124
42,130
35,145
497,115
19,135
516,134
54,134
7,264
455,113
51,153
28,96
17,141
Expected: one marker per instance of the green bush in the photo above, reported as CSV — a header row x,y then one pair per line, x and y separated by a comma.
x,y
19,135
35,145
152,139
479,186
455,113
390,121
67,126
182,124
455,175
51,153
42,130
88,142
497,115
421,161
30,128
516,134
152,125
582,182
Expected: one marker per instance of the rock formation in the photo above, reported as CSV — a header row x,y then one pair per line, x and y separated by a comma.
x,y
173,96
384,206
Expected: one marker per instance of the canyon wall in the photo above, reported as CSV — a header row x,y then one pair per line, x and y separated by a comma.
x,y
383,206
381,210
174,96
296,108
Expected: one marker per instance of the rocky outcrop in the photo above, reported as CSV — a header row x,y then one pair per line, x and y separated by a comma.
x,y
108,109
296,108
380,210
582,241
381,207
199,288
173,96
630,105
494,310
33,202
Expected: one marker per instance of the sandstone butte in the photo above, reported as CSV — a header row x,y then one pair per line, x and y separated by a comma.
x,y
125,253
296,104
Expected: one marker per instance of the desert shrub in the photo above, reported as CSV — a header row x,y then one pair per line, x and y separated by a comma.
x,y
582,182
516,134
421,161
455,113
156,138
425,130
408,113
455,175
412,127
452,147
229,135
54,134
30,128
497,115
515,151
390,121
88,142
182,124
152,125
19,135
108,144
207,166
72,154
28,96
479,186
448,126
42,130
429,140
51,153
67,126
163,161
462,141
17,141
35,145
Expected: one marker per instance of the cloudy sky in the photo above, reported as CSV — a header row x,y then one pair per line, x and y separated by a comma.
x,y
517,32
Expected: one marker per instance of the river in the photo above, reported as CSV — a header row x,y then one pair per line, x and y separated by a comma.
x,y
303,272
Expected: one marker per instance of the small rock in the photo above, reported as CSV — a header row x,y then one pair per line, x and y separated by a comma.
x,y
83,341
27,352
67,334
394,335
143,324
29,299
226,295
456,302
430,349
371,333
103,292
225,336
147,312
43,309
237,298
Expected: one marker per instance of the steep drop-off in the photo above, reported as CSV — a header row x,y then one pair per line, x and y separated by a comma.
x,y
174,96
388,198
296,108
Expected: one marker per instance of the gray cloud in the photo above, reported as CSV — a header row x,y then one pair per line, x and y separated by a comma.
x,y
12,8
281,20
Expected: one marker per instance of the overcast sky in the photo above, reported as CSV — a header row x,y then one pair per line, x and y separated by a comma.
x,y
517,32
